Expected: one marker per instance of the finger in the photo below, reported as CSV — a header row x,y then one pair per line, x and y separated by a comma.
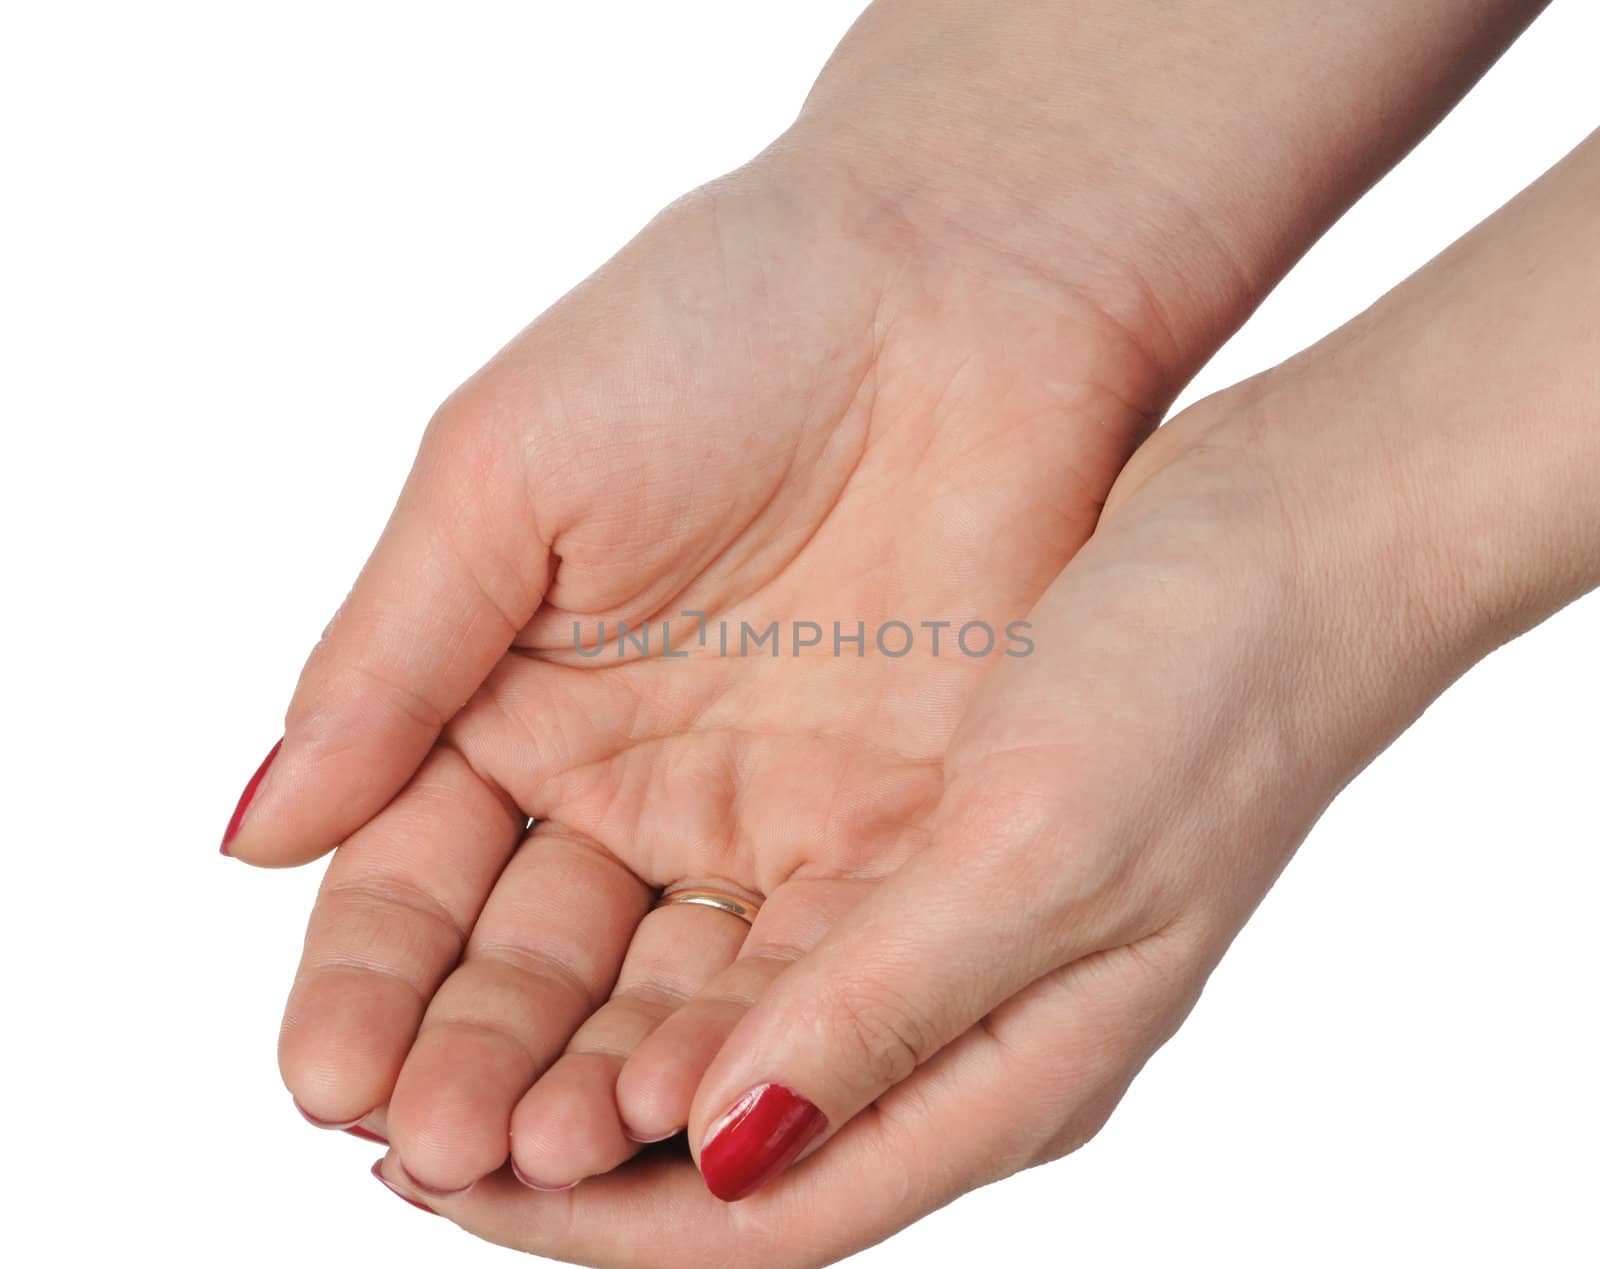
x,y
1039,1078
389,923
370,1127
655,1088
993,904
567,1126
458,571
542,957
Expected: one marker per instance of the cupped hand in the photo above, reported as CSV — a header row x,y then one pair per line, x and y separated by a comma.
x,y
773,407
886,373
1282,579
968,1008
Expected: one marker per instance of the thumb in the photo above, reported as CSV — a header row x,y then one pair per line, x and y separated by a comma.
x,y
459,570
953,934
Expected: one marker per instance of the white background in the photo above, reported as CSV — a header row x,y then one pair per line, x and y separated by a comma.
x,y
245,251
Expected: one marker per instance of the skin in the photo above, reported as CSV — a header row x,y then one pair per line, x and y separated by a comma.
x,y
924,323
869,492
1283,578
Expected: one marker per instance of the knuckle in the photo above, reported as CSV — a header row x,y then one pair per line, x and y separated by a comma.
x,y
1079,1130
883,1033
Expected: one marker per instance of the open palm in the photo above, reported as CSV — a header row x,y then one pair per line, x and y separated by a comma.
x,y
766,412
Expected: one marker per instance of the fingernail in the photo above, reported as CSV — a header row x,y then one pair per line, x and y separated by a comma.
x,y
247,797
433,1190
377,1171
535,1185
758,1137
366,1134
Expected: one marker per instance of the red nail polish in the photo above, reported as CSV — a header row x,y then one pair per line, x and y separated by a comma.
x,y
247,797
377,1171
365,1134
536,1185
758,1137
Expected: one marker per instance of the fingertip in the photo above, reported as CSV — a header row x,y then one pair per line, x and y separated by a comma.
x,y
652,1139
327,1125
432,1191
247,798
341,1044
538,1186
268,828
657,1085
309,797
654,1092
565,1129
397,1188
352,1128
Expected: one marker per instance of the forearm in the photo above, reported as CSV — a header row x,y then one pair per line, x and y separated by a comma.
x,y
1429,474
1172,159
1479,404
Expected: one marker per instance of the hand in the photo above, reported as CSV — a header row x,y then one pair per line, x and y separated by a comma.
x,y
769,408
893,295
1283,578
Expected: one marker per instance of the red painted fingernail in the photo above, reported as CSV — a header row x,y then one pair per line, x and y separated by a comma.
x,y
536,1185
377,1171
760,1135
433,1190
247,797
366,1134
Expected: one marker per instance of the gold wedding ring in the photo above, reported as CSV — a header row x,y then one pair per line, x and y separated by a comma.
x,y
721,900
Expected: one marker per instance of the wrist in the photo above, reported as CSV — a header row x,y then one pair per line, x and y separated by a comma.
x,y
1167,161
963,119
1448,438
